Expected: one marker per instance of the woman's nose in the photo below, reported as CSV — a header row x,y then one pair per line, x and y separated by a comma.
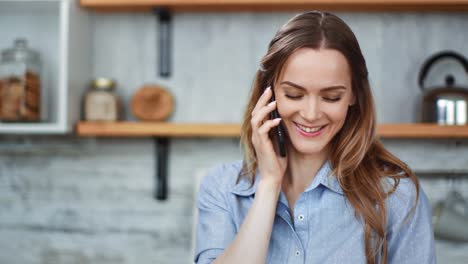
x,y
311,110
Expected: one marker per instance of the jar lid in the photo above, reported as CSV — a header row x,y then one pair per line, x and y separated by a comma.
x,y
20,52
103,83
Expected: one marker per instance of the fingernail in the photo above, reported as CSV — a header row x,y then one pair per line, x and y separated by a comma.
x,y
267,89
272,103
278,119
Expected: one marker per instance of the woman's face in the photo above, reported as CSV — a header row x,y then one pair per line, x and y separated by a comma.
x,y
313,93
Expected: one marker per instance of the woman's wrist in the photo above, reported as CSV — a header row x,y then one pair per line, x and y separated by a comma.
x,y
269,185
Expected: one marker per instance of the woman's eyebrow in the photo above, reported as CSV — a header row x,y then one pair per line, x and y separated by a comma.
x,y
334,87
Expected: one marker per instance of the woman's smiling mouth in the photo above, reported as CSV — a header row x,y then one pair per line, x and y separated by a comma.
x,y
309,131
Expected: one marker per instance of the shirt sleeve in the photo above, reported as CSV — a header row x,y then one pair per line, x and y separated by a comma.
x,y
215,228
412,240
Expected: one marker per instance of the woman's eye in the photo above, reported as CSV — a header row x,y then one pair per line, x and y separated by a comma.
x,y
332,99
293,97
328,99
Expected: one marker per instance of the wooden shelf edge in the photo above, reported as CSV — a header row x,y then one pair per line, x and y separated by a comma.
x,y
277,5
156,129
166,129
421,131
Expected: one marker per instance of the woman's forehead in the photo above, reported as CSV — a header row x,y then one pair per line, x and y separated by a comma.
x,y
316,69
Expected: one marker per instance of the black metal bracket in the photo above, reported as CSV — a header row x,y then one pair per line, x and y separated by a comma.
x,y
165,40
162,144
161,148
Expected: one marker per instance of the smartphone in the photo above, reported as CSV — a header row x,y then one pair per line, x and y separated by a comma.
x,y
278,131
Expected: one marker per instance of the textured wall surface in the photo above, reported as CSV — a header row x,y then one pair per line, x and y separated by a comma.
x,y
83,200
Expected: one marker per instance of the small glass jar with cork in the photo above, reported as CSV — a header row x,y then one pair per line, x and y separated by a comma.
x,y
101,102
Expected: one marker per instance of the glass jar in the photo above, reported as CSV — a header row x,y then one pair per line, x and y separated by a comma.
x,y
20,79
101,103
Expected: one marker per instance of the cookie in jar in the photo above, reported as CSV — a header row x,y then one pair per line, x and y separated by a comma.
x,y
20,79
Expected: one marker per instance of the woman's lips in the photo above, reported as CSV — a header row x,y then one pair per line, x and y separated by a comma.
x,y
310,134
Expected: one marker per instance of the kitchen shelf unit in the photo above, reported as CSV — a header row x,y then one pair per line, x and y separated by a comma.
x,y
277,5
59,31
184,130
162,131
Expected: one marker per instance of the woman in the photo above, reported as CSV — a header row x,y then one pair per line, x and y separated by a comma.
x,y
338,196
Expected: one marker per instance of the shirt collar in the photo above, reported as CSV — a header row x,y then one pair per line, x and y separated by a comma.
x,y
323,177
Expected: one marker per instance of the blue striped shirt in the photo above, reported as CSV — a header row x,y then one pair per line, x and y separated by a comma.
x,y
324,228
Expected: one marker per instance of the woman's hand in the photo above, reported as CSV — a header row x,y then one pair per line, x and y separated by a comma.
x,y
271,165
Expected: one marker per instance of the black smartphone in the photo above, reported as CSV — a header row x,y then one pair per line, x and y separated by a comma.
x,y
278,131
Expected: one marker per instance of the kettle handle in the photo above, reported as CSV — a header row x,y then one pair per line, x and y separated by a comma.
x,y
431,60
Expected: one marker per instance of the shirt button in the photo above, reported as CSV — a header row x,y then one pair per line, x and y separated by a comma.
x,y
301,217
298,253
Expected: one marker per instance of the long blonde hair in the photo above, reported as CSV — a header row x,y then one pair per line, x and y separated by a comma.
x,y
359,160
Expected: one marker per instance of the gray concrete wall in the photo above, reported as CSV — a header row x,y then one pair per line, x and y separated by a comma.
x,y
83,200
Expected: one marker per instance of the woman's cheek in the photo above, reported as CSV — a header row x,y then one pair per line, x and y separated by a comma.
x,y
283,109
339,112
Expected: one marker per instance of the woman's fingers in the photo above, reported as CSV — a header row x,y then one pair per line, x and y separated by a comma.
x,y
261,125
261,139
270,165
265,128
262,101
262,114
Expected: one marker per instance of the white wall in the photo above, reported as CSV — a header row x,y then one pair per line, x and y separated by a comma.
x,y
80,200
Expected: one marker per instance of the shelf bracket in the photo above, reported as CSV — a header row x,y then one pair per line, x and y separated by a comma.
x,y
165,40
161,148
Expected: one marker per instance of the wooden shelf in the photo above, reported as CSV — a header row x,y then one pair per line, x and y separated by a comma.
x,y
164,129
160,129
277,5
421,130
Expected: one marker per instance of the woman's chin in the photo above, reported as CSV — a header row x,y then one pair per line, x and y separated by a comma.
x,y
308,150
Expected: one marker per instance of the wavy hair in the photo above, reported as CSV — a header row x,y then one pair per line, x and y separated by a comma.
x,y
358,159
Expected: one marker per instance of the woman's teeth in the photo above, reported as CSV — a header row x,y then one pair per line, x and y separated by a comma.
x,y
309,130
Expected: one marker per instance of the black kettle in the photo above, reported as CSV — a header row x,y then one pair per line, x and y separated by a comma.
x,y
444,105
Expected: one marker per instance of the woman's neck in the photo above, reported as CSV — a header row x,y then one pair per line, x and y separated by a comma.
x,y
302,169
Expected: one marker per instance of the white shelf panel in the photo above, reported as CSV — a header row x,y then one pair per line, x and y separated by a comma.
x,y
37,22
59,30
32,128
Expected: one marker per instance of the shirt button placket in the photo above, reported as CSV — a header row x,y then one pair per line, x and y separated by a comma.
x,y
301,231
299,258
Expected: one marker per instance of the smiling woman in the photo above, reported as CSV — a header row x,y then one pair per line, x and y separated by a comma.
x,y
313,115
338,196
